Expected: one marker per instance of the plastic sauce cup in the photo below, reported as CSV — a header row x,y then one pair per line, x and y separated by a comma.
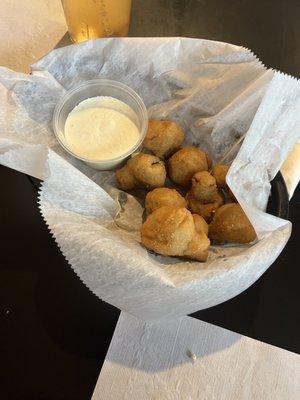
x,y
94,88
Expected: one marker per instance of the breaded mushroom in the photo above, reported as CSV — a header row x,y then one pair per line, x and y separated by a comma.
x,y
206,210
185,163
219,171
200,224
163,138
231,225
143,170
163,197
125,178
204,187
171,231
204,198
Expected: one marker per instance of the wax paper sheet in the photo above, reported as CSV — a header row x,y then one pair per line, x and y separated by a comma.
x,y
228,104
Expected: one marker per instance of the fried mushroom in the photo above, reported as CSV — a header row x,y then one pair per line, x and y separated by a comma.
x,y
163,197
231,225
219,171
171,231
206,210
185,163
163,138
200,224
204,198
143,170
204,187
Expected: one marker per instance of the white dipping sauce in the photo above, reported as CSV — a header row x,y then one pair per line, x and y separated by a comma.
x,y
101,128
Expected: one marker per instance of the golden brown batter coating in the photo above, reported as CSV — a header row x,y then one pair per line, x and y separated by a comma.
x,y
219,171
171,231
200,224
230,224
185,163
125,179
163,138
163,197
204,187
143,170
205,210
198,247
204,198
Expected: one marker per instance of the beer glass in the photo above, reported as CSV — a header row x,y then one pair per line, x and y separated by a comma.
x,y
90,19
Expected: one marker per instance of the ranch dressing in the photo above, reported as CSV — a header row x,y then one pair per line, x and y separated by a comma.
x,y
101,128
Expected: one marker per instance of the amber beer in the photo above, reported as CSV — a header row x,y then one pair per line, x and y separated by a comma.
x,y
90,19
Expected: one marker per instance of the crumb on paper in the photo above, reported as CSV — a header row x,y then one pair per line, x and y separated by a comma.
x,y
191,355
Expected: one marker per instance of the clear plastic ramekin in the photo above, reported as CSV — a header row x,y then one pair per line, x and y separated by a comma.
x,y
94,88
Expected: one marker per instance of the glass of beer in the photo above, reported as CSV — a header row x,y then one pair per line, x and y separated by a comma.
x,y
90,19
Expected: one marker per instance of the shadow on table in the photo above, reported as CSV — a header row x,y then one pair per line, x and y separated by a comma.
x,y
160,347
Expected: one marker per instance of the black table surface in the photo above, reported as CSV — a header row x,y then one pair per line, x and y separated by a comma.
x,y
54,332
